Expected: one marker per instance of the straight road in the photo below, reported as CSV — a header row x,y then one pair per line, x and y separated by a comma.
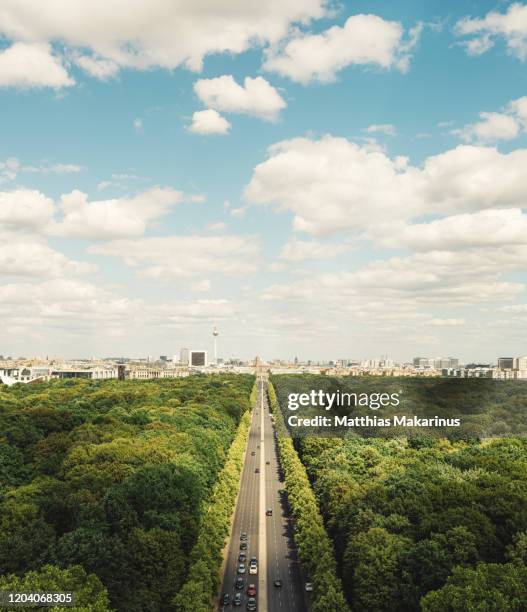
x,y
269,538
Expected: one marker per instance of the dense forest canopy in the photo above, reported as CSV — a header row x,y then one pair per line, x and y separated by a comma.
x,y
422,523
109,479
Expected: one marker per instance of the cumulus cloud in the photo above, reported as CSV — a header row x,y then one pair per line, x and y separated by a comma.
x,y
114,218
494,126
363,40
209,122
256,97
510,26
25,209
31,65
31,256
487,228
299,250
186,256
333,184
153,33
420,280
491,128
97,67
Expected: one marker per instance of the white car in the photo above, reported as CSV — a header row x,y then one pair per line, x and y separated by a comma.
x,y
253,568
309,586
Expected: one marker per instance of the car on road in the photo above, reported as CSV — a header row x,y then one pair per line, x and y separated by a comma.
x,y
243,545
269,512
237,600
242,558
253,568
251,604
251,590
243,536
253,453
309,587
241,568
267,463
239,583
226,599
277,582
257,471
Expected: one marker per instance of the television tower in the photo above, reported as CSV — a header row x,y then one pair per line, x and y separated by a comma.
x,y
215,334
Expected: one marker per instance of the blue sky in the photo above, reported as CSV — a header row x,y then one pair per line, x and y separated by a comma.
x,y
357,204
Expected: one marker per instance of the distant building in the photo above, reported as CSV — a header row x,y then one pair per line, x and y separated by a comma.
x,y
505,363
198,358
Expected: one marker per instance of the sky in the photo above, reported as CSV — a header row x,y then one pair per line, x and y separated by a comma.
x,y
317,179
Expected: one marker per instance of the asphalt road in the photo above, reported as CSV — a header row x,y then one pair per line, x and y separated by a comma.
x,y
275,532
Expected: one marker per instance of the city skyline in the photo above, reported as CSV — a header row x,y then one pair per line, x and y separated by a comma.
x,y
325,180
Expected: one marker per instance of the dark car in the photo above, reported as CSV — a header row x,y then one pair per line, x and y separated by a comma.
x,y
251,604
226,599
269,512
242,558
243,545
257,471
278,582
237,600
239,584
243,536
253,453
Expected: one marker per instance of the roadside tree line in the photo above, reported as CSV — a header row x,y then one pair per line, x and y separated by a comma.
x,y
313,543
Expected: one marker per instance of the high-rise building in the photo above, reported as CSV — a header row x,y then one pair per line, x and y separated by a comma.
x,y
184,356
421,362
198,358
506,363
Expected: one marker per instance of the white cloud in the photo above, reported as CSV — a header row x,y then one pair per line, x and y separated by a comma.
x,y
333,184
299,250
25,209
186,256
434,279
511,26
201,286
219,226
363,40
156,33
115,218
491,128
382,128
256,97
30,256
66,168
9,169
12,167
519,109
447,322
487,228
99,68
209,122
25,66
